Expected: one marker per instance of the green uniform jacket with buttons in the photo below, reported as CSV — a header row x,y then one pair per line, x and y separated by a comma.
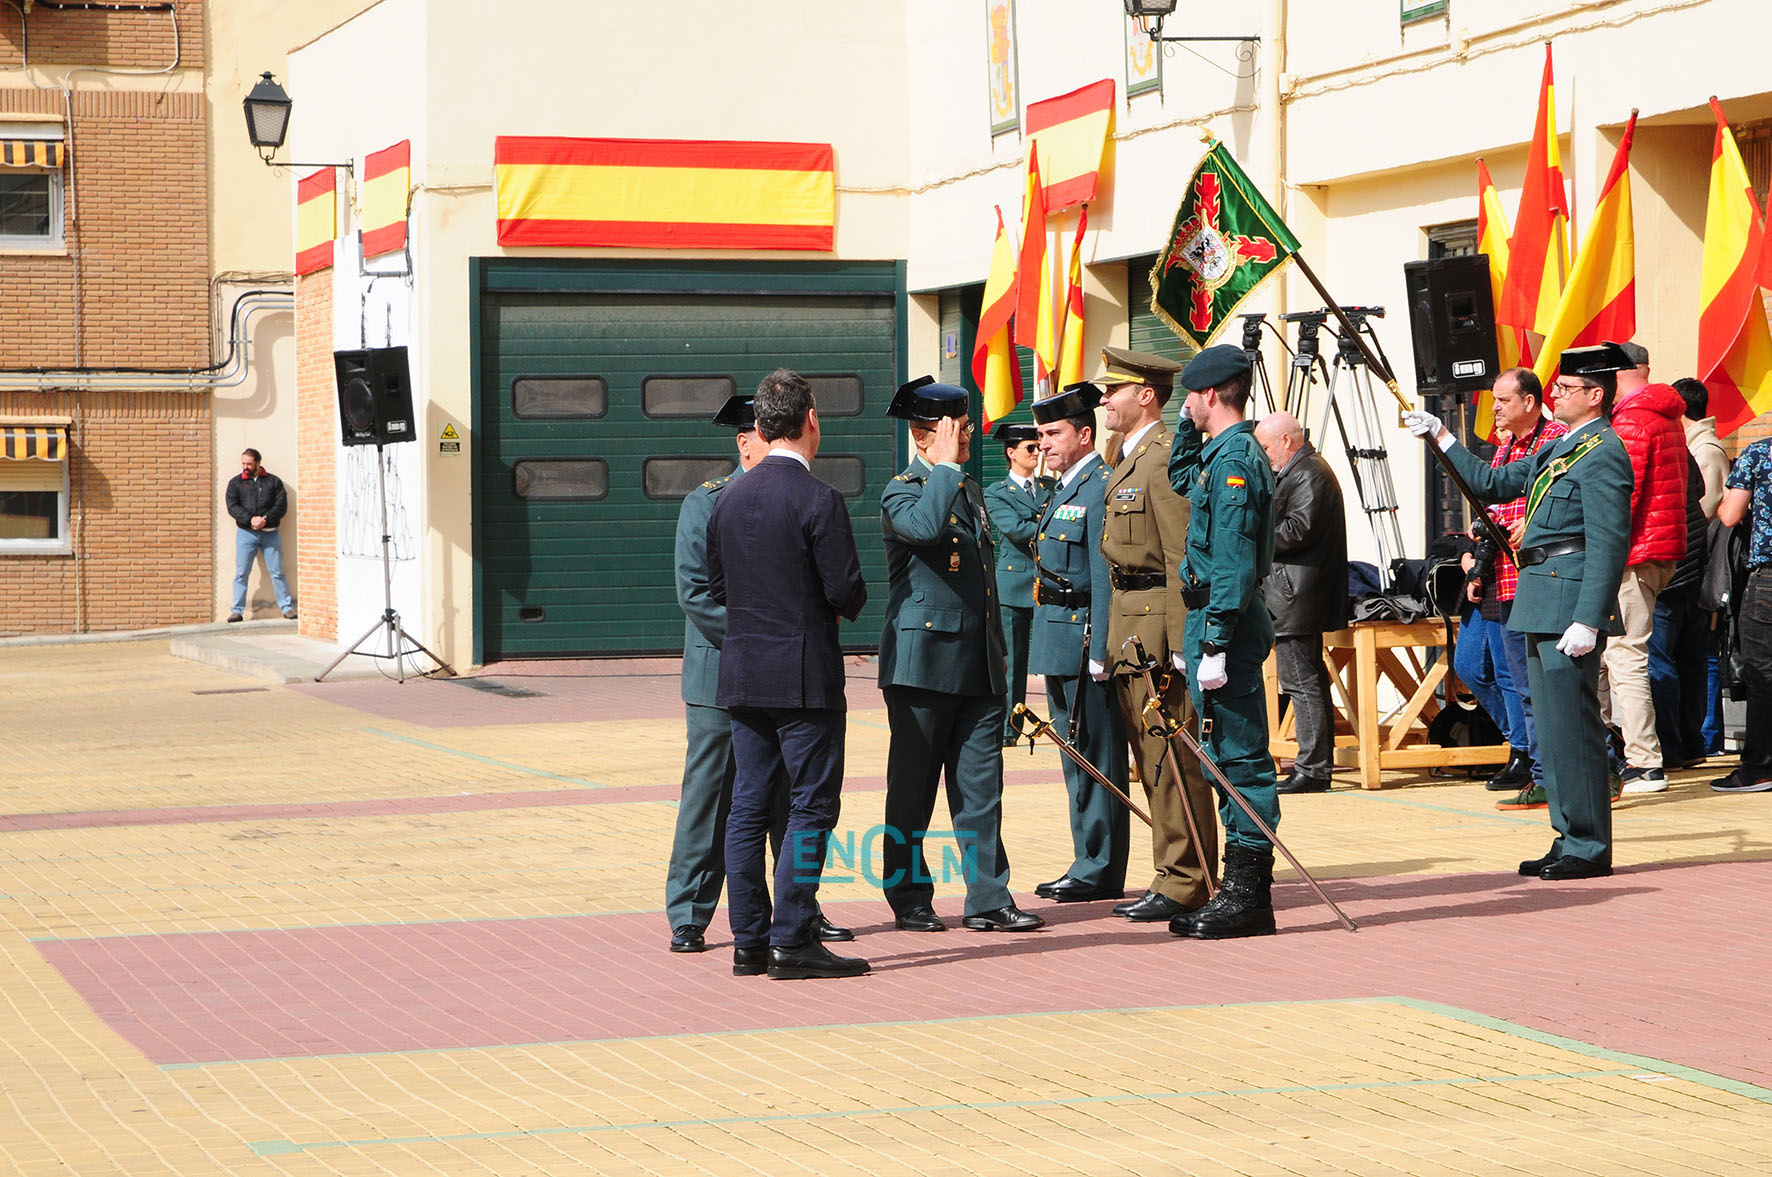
x,y
942,630
1015,513
1590,501
1069,545
1146,531
1229,483
704,626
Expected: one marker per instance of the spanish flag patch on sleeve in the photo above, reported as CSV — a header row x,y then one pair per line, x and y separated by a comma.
x,y
1233,480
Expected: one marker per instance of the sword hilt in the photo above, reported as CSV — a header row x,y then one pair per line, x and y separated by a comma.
x,y
1141,661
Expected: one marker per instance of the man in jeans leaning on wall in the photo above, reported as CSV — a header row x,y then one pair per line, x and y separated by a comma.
x,y
258,502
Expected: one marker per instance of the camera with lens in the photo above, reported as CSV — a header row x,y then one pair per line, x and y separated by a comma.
x,y
1483,559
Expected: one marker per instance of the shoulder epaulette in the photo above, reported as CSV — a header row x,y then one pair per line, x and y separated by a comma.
x,y
716,483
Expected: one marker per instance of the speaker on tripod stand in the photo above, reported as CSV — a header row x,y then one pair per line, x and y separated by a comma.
x,y
375,408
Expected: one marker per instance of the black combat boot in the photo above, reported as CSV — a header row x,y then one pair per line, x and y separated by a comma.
x,y
1244,903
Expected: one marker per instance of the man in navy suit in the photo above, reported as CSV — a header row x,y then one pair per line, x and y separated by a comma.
x,y
782,560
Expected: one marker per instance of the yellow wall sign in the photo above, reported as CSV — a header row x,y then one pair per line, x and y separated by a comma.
x,y
449,441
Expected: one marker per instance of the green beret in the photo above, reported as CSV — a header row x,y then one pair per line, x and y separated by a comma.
x,y
1216,365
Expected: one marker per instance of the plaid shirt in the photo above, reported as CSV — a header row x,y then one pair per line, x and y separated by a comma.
x,y
1507,577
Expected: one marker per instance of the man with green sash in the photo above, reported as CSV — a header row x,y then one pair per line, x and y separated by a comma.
x,y
1571,559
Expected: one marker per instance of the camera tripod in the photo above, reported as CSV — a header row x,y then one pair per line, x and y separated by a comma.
x,y
389,622
1368,460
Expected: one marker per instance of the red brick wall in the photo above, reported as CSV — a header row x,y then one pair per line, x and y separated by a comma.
x,y
316,453
140,515
127,39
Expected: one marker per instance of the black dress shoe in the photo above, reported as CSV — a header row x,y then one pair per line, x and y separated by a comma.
x,y
812,960
1572,867
1515,775
750,962
1123,908
824,929
1299,783
920,919
1155,908
1077,891
1004,919
1530,868
687,938
1044,890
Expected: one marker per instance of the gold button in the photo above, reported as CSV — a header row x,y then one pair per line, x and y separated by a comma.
x,y
929,625
951,519
1042,535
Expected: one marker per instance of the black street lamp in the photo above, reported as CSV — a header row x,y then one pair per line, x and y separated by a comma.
x,y
1150,15
267,123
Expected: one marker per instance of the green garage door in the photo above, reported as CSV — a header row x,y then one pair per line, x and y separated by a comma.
x,y
592,417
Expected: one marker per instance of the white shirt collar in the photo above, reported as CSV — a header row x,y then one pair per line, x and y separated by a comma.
x,y
1019,481
1077,468
1132,439
783,451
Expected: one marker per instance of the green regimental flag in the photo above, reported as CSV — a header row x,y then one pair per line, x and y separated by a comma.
x,y
1226,240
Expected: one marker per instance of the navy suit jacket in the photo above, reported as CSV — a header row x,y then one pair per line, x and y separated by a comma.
x,y
782,559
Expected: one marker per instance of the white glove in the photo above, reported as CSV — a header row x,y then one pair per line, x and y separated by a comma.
x,y
1578,639
1211,673
1097,671
1427,427
1180,663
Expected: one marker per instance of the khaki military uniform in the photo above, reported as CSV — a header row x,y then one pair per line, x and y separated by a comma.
x,y
1145,542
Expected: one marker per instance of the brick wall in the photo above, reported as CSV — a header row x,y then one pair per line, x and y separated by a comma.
x,y
140,515
316,454
127,39
138,239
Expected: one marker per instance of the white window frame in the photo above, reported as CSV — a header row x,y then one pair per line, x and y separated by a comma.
x,y
61,546
56,238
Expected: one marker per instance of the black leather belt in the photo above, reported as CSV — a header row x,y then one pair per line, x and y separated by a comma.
x,y
1132,582
1196,598
1062,598
1563,547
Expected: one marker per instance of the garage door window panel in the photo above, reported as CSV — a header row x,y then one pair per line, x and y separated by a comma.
x,y
675,477
559,397
561,479
846,472
685,396
837,396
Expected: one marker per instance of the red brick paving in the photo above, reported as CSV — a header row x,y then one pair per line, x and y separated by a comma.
x,y
1585,960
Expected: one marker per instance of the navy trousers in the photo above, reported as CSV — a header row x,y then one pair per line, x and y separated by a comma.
x,y
806,746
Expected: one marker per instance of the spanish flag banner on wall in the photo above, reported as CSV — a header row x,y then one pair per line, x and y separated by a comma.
x,y
316,220
665,193
1071,132
387,182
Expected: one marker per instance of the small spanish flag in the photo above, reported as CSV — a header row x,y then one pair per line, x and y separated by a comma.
x,y
1072,131
665,193
1233,480
316,220
387,184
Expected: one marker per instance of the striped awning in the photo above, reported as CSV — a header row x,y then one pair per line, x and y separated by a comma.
x,y
48,443
33,153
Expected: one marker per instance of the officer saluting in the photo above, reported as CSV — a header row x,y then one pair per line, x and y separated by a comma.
x,y
942,670
1230,547
1144,539
1014,504
1571,561
1073,590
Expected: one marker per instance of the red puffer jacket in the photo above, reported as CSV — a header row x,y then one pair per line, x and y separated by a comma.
x,y
1648,422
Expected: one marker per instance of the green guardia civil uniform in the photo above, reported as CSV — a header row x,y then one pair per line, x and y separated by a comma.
x,y
1230,549
942,672
1014,512
1578,492
1068,546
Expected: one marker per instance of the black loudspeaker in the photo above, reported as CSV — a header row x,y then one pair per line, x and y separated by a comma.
x,y
1452,320
374,396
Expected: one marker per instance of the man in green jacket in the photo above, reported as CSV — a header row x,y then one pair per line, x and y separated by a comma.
x,y
1571,557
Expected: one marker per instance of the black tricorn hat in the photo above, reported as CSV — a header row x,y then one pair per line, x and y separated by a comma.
x,y
1077,400
737,413
1594,361
925,400
1013,435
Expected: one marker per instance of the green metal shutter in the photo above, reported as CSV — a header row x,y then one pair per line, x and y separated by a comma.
x,y
577,575
1144,331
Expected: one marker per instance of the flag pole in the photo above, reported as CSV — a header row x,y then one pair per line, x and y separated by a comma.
x,y
1496,535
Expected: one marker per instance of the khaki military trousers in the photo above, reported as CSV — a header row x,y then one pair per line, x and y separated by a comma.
x,y
1180,866
1625,700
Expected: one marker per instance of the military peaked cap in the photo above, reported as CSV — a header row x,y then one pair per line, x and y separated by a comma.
x,y
1138,367
925,400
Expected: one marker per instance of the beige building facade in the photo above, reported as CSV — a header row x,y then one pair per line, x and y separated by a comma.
x,y
1362,129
